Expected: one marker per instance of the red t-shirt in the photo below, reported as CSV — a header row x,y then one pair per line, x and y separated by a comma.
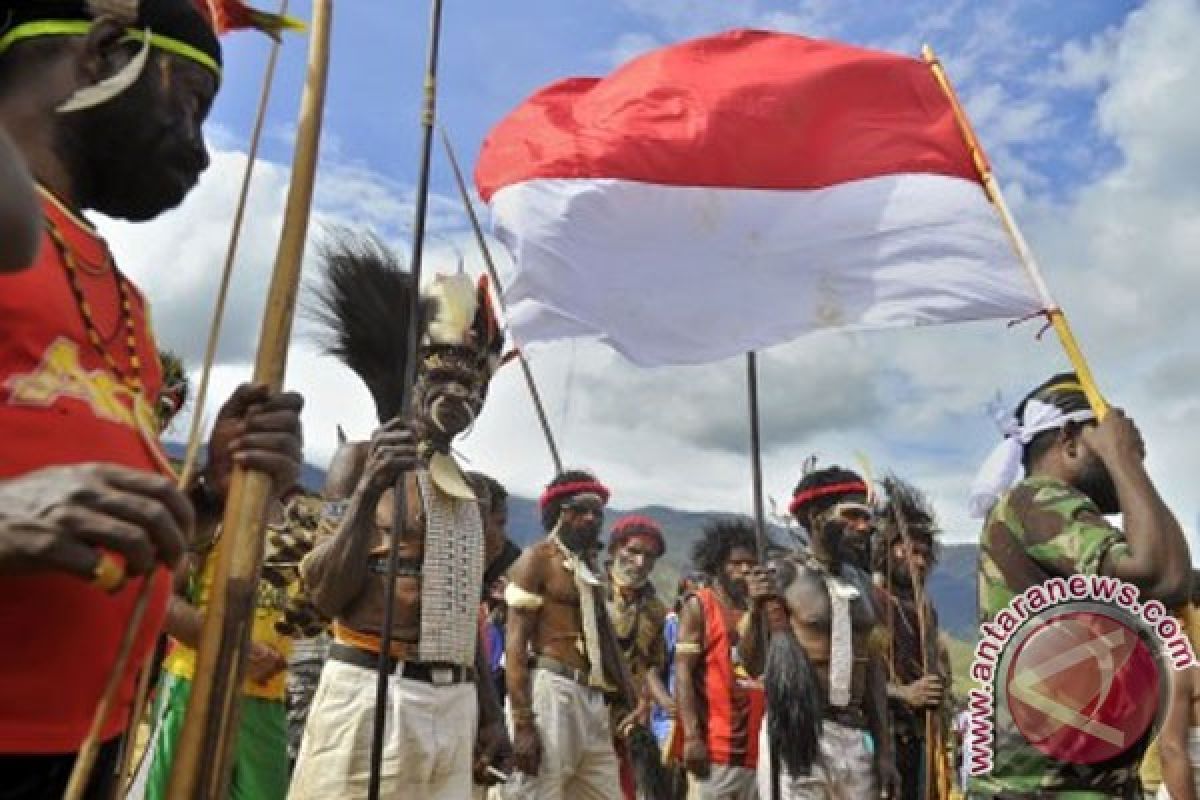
x,y
60,403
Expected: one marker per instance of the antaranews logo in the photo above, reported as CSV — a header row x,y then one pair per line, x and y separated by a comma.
x,y
1078,665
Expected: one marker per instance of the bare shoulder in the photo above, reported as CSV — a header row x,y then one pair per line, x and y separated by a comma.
x,y
529,570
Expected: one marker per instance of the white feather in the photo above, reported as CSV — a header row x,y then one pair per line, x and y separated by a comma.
x,y
100,93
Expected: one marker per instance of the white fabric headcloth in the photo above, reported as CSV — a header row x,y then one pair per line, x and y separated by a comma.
x,y
1002,469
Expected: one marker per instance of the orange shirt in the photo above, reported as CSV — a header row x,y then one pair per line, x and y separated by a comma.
x,y
60,403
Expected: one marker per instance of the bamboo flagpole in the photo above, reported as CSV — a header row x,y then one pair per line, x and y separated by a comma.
x,y
400,515
1053,311
202,763
481,240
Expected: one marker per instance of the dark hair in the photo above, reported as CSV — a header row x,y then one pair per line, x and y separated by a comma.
x,y
919,517
816,479
718,539
1062,391
552,509
489,486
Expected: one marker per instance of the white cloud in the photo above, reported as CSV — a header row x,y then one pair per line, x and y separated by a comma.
x,y
1118,251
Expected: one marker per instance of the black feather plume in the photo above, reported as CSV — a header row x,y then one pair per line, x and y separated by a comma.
x,y
363,302
795,703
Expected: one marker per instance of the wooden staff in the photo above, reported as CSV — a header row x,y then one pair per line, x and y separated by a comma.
x,y
400,506
1053,311
481,240
202,765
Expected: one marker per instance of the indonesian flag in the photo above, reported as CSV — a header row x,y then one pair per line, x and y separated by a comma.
x,y
736,191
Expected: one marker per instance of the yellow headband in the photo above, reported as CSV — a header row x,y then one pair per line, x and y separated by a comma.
x,y
80,27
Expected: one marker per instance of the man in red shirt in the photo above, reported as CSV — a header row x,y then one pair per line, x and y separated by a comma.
x,y
106,112
720,703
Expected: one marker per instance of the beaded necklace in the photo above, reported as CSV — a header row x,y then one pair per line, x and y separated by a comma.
x,y
133,379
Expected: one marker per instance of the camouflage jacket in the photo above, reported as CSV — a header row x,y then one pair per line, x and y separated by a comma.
x,y
1042,529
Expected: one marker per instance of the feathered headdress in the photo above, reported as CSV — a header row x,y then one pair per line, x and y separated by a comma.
x,y
910,505
174,392
363,303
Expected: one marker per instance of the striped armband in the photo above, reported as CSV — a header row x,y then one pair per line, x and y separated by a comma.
x,y
688,648
518,598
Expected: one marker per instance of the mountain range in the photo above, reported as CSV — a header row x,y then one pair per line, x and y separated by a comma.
x,y
952,585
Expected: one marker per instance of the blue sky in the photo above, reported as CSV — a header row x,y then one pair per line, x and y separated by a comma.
x,y
493,57
1086,109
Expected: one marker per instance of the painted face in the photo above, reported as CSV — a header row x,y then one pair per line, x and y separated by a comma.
x,y
844,530
735,570
449,395
633,562
581,520
145,148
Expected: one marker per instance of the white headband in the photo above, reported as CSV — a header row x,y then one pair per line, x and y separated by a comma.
x,y
1002,469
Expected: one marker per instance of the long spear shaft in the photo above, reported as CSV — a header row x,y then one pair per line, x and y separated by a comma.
x,y
400,515
481,240
756,472
202,763
1055,313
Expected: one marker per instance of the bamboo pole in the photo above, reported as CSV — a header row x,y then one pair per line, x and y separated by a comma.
x,y
202,762
231,250
1053,311
481,240
400,505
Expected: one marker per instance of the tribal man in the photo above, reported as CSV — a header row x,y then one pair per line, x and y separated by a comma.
x,y
439,699
904,556
635,544
1045,491
104,102
827,728
720,706
564,667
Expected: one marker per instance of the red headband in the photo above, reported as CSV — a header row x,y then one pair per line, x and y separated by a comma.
x,y
637,526
808,495
553,493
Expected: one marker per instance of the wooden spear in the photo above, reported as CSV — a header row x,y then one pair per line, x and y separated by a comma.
x,y
202,764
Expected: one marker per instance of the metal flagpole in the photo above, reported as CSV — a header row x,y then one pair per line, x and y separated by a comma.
x,y
760,523
399,518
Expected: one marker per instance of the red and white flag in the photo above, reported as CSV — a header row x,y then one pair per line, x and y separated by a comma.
x,y
736,191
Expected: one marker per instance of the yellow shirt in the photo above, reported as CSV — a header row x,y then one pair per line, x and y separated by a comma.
x,y
268,609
